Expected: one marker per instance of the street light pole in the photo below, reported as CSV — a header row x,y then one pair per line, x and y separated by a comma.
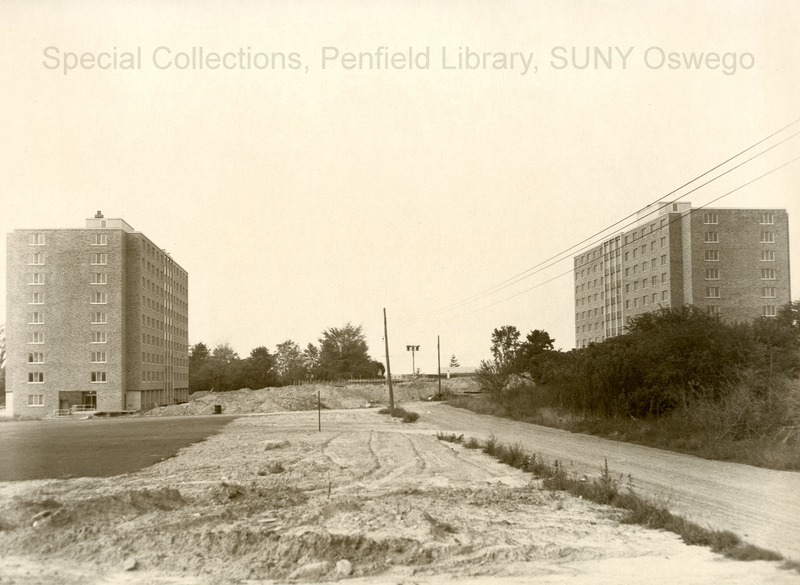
x,y
413,349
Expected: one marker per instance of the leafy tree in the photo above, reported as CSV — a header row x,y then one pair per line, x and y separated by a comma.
x,y
343,353
199,368
531,355
226,368
505,341
259,369
311,360
453,361
289,362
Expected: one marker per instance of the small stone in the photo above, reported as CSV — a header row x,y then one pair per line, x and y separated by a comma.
x,y
129,564
344,568
311,570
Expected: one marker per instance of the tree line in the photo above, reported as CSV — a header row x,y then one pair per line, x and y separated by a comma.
x,y
668,359
340,353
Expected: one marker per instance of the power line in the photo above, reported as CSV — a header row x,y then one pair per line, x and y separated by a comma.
x,y
533,269
570,271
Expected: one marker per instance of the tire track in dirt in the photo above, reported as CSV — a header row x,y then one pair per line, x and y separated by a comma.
x,y
760,505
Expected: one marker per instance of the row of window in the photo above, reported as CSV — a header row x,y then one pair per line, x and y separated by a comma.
x,y
766,310
94,377
647,300
37,337
712,218
95,240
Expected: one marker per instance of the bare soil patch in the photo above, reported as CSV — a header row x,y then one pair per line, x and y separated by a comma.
x,y
368,499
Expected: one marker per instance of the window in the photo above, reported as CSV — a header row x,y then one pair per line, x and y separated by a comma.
x,y
711,255
36,337
767,237
627,288
36,278
635,302
37,298
644,283
38,239
627,272
712,273
710,218
636,285
98,259
663,295
627,255
767,274
35,318
768,311
663,277
644,300
768,292
664,242
768,255
636,268
36,357
99,278
99,337
653,263
767,218
36,259
98,377
35,377
712,309
99,239
99,298
652,245
654,281
712,292
99,317
635,252
98,357
663,260
35,399
654,298
711,238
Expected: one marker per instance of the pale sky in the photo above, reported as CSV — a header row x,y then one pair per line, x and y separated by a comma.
x,y
304,197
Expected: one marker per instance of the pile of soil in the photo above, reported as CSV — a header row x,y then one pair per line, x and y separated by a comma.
x,y
294,398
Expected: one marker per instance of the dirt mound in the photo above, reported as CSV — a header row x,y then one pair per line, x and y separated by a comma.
x,y
294,398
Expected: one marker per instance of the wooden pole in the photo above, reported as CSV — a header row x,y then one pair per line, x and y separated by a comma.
x,y
439,365
388,367
319,413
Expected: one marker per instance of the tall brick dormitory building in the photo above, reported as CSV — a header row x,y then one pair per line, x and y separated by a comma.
x,y
96,318
730,262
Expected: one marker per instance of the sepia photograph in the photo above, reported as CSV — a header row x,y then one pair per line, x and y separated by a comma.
x,y
399,292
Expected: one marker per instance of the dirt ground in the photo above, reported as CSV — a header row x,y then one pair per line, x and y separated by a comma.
x,y
368,499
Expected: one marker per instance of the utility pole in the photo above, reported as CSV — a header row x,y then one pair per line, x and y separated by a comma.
x,y
413,349
439,365
388,367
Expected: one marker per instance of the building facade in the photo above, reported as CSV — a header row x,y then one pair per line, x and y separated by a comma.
x,y
730,262
97,318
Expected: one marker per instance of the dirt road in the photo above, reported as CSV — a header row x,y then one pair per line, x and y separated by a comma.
x,y
760,505
368,499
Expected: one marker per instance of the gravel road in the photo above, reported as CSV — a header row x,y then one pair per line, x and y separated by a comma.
x,y
760,505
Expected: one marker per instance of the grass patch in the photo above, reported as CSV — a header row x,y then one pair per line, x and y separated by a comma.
x,y
611,490
725,432
406,416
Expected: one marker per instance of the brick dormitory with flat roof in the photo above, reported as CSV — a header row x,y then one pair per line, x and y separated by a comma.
x,y
97,319
729,262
